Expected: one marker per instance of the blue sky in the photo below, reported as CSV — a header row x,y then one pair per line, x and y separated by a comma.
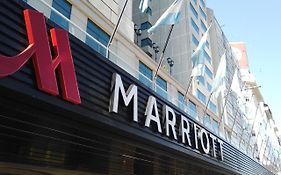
x,y
258,24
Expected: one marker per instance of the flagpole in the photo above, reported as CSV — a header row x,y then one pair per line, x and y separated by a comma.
x,y
267,123
269,152
188,86
247,119
262,144
254,119
162,54
232,127
265,145
254,122
241,137
205,110
255,145
223,109
259,131
235,118
115,29
199,49
191,77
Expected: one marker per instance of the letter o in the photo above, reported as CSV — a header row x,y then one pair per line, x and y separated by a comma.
x,y
203,134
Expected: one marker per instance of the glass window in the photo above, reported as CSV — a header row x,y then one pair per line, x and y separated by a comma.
x,y
203,3
213,107
201,96
192,106
145,75
202,13
207,121
145,25
208,44
209,87
97,33
207,56
182,104
193,10
161,87
146,42
194,25
195,1
203,26
149,11
192,109
180,97
162,83
194,40
208,72
215,126
201,80
64,8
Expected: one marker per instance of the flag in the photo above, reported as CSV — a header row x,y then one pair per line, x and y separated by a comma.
x,y
218,83
170,16
143,5
198,58
235,87
198,65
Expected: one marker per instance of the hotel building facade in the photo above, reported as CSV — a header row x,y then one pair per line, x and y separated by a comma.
x,y
78,108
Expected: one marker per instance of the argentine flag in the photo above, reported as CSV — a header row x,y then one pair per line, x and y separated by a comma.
x,y
143,5
218,83
198,56
171,16
235,86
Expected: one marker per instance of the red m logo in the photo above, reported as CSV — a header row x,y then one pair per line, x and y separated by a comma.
x,y
45,66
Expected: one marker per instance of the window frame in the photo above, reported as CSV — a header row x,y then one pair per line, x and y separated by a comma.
x,y
195,13
65,9
99,34
195,41
194,25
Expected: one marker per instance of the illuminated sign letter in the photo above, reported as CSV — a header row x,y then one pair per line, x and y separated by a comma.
x,y
132,92
195,135
206,148
221,152
184,131
149,116
213,138
169,123
45,66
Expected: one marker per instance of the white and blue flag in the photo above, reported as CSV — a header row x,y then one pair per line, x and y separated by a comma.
x,y
218,83
170,17
235,86
198,57
143,5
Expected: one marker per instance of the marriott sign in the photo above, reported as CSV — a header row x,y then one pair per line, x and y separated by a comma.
x,y
46,67
189,133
